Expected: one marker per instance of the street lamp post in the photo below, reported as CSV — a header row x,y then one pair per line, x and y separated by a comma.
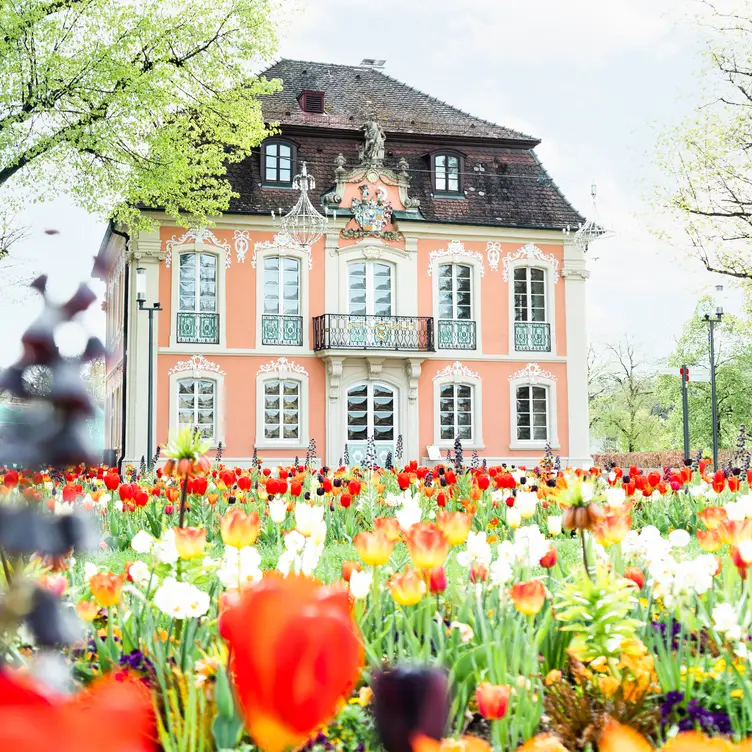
x,y
141,298
712,320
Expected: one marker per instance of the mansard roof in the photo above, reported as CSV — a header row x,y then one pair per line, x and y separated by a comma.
x,y
503,182
354,94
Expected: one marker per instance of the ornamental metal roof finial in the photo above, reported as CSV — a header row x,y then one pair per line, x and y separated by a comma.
x,y
592,230
303,225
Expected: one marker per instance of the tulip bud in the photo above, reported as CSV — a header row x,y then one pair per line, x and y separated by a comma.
x,y
437,581
549,558
636,575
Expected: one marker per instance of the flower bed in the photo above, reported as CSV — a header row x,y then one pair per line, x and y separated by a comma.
x,y
351,608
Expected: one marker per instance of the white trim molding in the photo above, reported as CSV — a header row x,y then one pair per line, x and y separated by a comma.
x,y
283,370
241,242
533,375
218,377
198,236
283,367
459,374
493,254
196,363
456,253
455,370
528,253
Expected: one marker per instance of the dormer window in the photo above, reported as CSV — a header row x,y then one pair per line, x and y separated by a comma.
x,y
277,163
312,101
447,171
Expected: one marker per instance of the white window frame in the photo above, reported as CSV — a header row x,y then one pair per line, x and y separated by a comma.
x,y
475,265
552,410
198,347
454,265
219,401
529,291
265,182
303,258
447,155
303,405
369,265
455,425
477,417
550,303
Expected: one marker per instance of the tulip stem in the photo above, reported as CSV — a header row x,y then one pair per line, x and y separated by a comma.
x,y
6,566
183,499
584,553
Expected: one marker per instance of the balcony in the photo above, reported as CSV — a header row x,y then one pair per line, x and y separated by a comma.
x,y
334,331
198,328
532,336
282,330
456,334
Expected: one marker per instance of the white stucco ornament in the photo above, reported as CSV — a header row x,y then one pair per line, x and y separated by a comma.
x,y
493,254
196,363
281,366
532,372
196,235
455,251
530,252
280,244
241,241
456,369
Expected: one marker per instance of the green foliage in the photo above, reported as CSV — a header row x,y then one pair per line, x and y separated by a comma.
x,y
597,612
733,380
129,104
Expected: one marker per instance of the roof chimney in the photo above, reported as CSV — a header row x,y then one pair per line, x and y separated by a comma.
x,y
368,62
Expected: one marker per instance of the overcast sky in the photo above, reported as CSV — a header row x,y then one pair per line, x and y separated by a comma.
x,y
596,80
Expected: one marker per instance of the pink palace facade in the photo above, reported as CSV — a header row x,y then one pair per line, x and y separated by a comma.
x,y
445,298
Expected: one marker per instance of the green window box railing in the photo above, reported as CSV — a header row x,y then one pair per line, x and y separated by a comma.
x,y
456,334
282,330
530,336
198,328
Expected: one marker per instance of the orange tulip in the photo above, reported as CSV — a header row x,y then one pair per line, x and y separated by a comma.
x,y
348,567
636,575
87,610
407,587
528,597
389,526
618,738
106,587
464,744
709,540
238,528
735,531
427,544
543,743
612,529
374,548
190,542
493,700
712,517
295,653
115,712
455,525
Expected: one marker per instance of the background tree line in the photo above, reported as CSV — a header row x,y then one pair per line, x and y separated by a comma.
x,y
635,406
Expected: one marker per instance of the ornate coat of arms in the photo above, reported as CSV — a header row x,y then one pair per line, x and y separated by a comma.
x,y
372,214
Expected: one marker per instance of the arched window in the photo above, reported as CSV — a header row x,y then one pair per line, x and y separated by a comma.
x,y
198,319
447,172
532,330
197,406
455,411
532,413
277,163
282,409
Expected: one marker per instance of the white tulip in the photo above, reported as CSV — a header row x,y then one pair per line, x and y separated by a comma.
x,y
360,583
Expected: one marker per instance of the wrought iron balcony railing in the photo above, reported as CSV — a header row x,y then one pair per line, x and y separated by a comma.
x,y
282,330
532,336
456,334
334,331
200,328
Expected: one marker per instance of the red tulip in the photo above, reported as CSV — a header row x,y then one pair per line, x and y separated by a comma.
x,y
403,480
549,559
493,700
437,580
654,478
111,481
115,712
353,487
295,653
126,492
636,575
296,488
483,482
244,483
345,500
